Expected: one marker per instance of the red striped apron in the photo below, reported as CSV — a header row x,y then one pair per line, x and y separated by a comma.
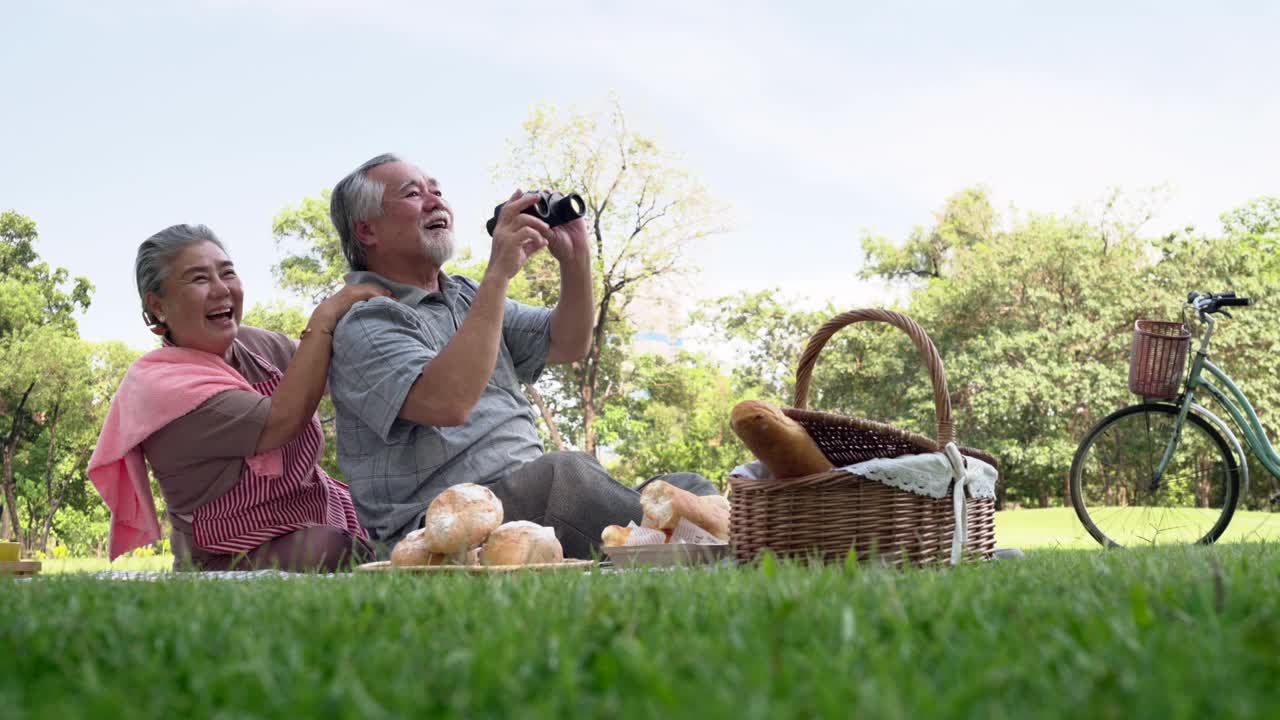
x,y
260,508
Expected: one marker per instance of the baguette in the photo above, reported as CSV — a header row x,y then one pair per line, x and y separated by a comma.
x,y
782,444
664,504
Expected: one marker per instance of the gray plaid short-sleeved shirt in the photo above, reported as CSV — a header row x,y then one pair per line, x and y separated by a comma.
x,y
396,468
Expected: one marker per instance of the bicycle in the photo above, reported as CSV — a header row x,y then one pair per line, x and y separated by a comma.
x,y
1165,470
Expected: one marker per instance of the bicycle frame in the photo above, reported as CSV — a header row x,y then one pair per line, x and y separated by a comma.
x,y
1233,400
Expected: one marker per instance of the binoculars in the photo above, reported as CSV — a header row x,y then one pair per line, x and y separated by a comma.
x,y
552,208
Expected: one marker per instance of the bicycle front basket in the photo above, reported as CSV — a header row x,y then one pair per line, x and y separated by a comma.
x,y
1158,359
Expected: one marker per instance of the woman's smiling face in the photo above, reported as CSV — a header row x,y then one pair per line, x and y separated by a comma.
x,y
201,300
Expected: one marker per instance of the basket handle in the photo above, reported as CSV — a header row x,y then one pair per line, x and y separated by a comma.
x,y
937,374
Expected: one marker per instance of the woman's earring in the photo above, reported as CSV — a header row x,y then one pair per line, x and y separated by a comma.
x,y
156,325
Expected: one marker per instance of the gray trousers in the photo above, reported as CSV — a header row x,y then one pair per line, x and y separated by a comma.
x,y
572,493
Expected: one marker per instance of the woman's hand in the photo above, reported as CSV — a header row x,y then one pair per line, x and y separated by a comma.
x,y
329,312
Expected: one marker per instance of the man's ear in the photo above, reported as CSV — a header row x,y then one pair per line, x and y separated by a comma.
x,y
365,234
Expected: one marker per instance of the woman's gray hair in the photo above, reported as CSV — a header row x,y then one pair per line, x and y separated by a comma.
x,y
156,252
356,198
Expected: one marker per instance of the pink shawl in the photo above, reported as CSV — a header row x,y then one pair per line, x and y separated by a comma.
x,y
160,387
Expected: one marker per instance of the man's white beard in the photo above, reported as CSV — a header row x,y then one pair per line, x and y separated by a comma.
x,y
439,246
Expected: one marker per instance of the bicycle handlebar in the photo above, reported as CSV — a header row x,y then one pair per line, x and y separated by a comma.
x,y
1214,302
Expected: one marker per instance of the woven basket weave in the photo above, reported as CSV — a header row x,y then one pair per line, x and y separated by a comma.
x,y
825,515
1158,358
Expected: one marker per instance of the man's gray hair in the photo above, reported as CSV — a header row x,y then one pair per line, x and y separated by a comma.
x,y
156,252
357,198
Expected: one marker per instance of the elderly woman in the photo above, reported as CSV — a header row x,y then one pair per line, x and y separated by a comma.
x,y
225,415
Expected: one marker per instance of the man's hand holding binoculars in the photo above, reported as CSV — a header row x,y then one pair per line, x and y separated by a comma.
x,y
516,235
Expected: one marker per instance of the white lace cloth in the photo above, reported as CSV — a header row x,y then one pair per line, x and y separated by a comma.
x,y
927,474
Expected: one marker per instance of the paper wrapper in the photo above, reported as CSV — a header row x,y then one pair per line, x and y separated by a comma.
x,y
685,532
644,536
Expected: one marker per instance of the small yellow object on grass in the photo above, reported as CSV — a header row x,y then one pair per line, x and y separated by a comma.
x,y
11,565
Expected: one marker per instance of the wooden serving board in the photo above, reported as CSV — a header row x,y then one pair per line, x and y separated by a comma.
x,y
19,567
386,566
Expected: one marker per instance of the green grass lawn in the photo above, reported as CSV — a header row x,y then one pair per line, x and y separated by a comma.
x,y
70,565
1059,527
1026,529
1186,632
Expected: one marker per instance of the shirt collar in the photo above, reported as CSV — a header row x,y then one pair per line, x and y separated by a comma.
x,y
407,294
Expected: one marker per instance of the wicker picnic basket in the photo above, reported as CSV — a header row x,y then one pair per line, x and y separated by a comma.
x,y
826,514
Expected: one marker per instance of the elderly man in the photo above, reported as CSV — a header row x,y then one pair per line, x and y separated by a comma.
x,y
427,382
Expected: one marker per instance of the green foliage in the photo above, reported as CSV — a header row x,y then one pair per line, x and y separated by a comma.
x,y
31,292
277,316
1180,633
54,392
314,264
676,420
1257,219
966,220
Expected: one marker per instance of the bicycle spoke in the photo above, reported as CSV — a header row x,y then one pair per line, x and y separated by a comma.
x,y
1114,484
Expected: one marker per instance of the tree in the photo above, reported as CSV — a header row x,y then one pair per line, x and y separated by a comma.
x,y
1257,219
32,293
36,311
52,474
315,266
675,419
965,220
285,318
642,213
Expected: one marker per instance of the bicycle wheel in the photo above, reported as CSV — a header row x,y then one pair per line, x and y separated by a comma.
x,y
1121,502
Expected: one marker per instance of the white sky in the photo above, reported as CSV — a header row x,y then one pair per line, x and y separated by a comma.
x,y
812,120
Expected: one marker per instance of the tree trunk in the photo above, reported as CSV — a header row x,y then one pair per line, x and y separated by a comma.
x,y
48,474
48,525
589,429
12,530
57,501
552,428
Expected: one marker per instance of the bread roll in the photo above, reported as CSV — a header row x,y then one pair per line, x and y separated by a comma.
x,y
664,504
615,535
412,550
782,444
521,543
461,517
